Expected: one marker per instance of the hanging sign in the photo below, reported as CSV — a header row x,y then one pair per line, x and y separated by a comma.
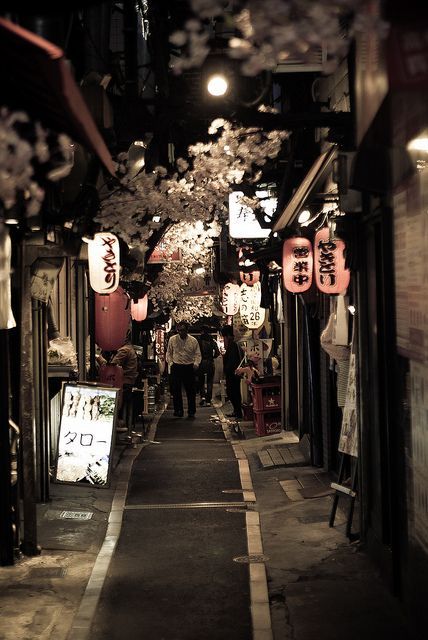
x,y
247,277
230,299
330,273
139,309
252,314
104,262
7,321
112,316
297,264
86,434
243,222
163,252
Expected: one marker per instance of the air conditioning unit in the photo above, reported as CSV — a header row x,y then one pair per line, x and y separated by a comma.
x,y
312,62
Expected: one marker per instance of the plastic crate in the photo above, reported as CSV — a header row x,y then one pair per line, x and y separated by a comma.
x,y
267,422
266,396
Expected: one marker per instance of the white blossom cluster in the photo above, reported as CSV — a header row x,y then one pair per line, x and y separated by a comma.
x,y
191,309
195,241
196,191
17,158
273,31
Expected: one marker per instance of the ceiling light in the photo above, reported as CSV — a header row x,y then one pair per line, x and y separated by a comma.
x,y
419,144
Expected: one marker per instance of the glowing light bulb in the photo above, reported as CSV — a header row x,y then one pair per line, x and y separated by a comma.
x,y
217,85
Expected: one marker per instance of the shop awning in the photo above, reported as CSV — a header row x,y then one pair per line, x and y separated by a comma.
x,y
308,187
36,78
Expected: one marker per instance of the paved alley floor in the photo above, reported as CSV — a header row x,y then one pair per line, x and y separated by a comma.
x,y
154,558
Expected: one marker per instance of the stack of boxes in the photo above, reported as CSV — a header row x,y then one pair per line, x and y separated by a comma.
x,y
267,407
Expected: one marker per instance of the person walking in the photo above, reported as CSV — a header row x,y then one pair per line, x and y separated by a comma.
x,y
209,351
183,356
231,361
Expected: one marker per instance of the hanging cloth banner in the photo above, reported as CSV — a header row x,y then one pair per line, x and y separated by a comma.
x,y
104,262
297,264
330,273
252,315
7,321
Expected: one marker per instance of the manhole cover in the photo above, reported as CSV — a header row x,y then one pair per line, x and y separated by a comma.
x,y
47,572
256,557
76,515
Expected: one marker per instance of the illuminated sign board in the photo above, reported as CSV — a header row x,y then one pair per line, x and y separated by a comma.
x,y
86,434
242,220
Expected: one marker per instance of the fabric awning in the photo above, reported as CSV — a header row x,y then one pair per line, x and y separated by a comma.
x,y
36,78
312,181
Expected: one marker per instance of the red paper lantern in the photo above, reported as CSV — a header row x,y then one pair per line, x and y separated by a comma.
x,y
104,262
139,309
112,316
297,264
230,299
250,277
330,273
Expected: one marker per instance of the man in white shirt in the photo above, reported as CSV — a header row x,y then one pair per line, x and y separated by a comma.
x,y
183,356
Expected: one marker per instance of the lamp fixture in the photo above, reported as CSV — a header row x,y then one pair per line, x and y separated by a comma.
x,y
217,85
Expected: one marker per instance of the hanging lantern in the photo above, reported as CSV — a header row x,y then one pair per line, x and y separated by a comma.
x,y
104,262
139,309
330,273
112,316
230,299
7,321
297,264
252,314
250,277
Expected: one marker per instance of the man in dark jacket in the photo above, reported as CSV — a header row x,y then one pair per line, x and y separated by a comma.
x,y
209,351
231,361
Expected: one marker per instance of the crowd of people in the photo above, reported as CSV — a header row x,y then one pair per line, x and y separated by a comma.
x,y
191,367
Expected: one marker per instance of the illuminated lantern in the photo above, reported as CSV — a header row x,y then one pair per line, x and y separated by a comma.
x,y
112,316
230,299
139,309
252,314
297,264
330,273
104,262
250,277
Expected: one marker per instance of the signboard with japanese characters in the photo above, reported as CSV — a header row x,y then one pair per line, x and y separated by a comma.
x,y
297,264
243,223
330,273
86,434
252,314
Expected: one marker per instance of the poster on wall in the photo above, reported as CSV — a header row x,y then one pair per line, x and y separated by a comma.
x,y
86,434
348,441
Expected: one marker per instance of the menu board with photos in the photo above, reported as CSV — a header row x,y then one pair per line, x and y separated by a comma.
x,y
86,434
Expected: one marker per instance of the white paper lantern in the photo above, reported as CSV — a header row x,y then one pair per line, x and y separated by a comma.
x,y
104,262
252,314
230,299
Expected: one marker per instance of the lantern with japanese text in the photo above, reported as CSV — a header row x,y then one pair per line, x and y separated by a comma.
x,y
247,277
331,275
104,262
230,299
297,264
139,309
252,314
112,317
